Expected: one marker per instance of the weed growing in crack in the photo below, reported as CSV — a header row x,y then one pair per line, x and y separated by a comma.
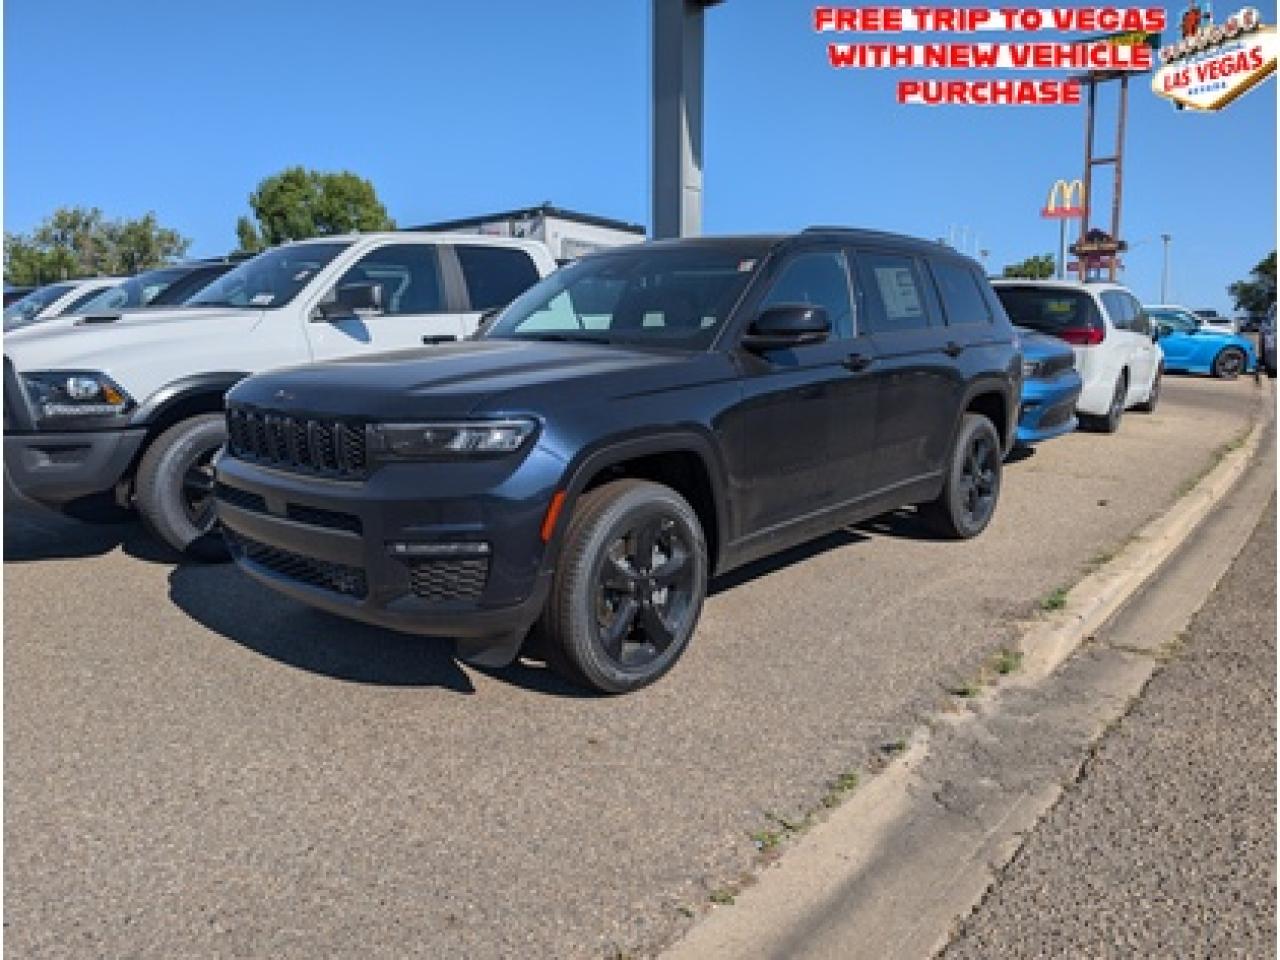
x,y
840,788
1007,661
1055,600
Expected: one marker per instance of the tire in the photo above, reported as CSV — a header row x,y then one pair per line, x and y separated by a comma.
x,y
173,488
605,597
1229,363
1110,422
1153,398
972,487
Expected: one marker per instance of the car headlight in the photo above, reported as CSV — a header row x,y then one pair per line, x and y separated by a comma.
x,y
1031,369
447,440
75,393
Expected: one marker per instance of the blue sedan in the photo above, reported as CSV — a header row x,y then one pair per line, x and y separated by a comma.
x,y
1191,347
1050,388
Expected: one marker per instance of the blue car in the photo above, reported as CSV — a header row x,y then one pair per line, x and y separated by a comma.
x,y
1050,388
1191,347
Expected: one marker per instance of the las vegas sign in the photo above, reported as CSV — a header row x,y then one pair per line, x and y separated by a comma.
x,y
1219,63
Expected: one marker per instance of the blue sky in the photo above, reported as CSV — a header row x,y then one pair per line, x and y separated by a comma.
x,y
452,108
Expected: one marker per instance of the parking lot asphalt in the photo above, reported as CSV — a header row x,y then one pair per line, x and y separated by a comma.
x,y
1165,844
197,767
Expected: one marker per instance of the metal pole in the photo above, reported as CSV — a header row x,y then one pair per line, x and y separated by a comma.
x,y
1119,168
1164,271
1087,200
677,117
1062,248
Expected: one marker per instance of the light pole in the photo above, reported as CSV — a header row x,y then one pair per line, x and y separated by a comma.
x,y
1164,272
676,64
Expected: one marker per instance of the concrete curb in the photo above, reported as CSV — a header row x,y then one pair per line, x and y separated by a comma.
x,y
1093,600
888,871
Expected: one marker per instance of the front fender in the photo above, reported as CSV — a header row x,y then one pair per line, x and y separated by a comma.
x,y
610,451
161,401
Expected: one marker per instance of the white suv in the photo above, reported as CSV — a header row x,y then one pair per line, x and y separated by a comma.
x,y
1116,353
132,405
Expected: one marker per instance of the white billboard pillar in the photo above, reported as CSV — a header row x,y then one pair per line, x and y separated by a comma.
x,y
677,117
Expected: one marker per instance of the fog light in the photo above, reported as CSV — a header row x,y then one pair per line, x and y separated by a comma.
x,y
460,549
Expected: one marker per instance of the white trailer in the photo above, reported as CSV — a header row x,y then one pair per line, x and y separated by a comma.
x,y
567,233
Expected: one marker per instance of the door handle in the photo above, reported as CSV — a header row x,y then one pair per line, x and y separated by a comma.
x,y
953,349
431,339
858,361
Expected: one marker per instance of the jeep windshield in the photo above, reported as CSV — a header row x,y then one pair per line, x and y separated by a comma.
x,y
270,279
677,296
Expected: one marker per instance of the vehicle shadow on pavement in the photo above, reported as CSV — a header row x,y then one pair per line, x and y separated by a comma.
x,y
739,576
35,533
227,602
222,599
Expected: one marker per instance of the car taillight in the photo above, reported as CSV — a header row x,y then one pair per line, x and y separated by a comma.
x,y
1082,336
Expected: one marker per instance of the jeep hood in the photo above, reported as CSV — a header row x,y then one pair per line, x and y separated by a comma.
x,y
483,376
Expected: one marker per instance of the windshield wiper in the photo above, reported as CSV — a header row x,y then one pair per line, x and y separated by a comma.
x,y
560,337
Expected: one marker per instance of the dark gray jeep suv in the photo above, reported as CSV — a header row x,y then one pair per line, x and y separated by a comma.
x,y
632,425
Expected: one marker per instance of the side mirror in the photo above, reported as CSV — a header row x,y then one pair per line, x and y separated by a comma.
x,y
787,325
351,299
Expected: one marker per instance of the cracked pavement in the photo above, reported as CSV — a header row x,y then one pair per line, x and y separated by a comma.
x,y
1164,844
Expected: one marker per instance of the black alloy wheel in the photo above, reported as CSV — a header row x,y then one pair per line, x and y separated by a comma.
x,y
644,592
174,487
971,487
979,480
628,587
1229,363
197,490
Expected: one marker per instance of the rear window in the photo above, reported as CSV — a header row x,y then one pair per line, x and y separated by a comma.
x,y
1048,310
495,275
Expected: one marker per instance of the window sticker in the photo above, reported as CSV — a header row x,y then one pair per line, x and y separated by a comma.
x,y
898,291
262,299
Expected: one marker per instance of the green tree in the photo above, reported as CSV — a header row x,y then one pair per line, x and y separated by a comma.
x,y
81,242
295,204
1032,268
1256,295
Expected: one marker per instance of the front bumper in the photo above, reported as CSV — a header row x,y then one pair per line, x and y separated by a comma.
x,y
332,544
55,467
1048,407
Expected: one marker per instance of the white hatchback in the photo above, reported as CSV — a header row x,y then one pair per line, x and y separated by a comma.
x,y
1116,354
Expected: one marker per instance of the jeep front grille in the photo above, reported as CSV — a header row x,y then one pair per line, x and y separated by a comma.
x,y
328,447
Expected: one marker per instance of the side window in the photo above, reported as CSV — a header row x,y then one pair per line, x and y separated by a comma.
x,y
1117,309
409,274
962,299
1141,323
895,294
820,279
495,275
93,294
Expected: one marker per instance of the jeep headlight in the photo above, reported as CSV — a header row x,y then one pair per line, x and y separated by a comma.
x,y
448,439
75,393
